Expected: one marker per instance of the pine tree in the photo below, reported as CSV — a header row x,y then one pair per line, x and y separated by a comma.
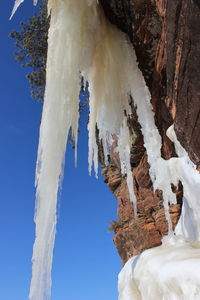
x,y
31,43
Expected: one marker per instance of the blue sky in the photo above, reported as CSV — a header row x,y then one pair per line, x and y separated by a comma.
x,y
86,262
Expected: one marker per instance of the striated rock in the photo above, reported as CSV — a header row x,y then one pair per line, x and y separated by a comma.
x,y
133,235
166,38
136,235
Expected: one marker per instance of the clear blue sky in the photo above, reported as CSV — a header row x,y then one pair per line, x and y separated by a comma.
x,y
86,262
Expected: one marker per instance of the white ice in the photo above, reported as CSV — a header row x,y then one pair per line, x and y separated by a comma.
x,y
171,271
17,4
168,272
81,41
15,7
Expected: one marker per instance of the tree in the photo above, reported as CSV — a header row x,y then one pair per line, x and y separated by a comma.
x,y
32,46
31,43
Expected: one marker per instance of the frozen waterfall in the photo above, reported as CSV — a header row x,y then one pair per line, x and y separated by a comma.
x,y
82,42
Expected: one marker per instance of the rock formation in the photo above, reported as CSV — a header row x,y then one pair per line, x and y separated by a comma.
x,y
166,37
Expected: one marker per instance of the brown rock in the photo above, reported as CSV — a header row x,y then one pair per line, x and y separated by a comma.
x,y
166,38
183,48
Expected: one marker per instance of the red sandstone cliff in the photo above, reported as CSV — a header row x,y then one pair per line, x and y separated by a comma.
x,y
166,37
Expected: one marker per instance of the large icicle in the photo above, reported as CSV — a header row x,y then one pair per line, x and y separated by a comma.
x,y
60,113
77,37
80,41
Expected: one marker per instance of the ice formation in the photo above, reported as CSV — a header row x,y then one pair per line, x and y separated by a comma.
x,y
82,42
15,7
170,271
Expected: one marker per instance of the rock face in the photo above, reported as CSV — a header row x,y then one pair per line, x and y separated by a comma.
x,y
183,74
166,38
